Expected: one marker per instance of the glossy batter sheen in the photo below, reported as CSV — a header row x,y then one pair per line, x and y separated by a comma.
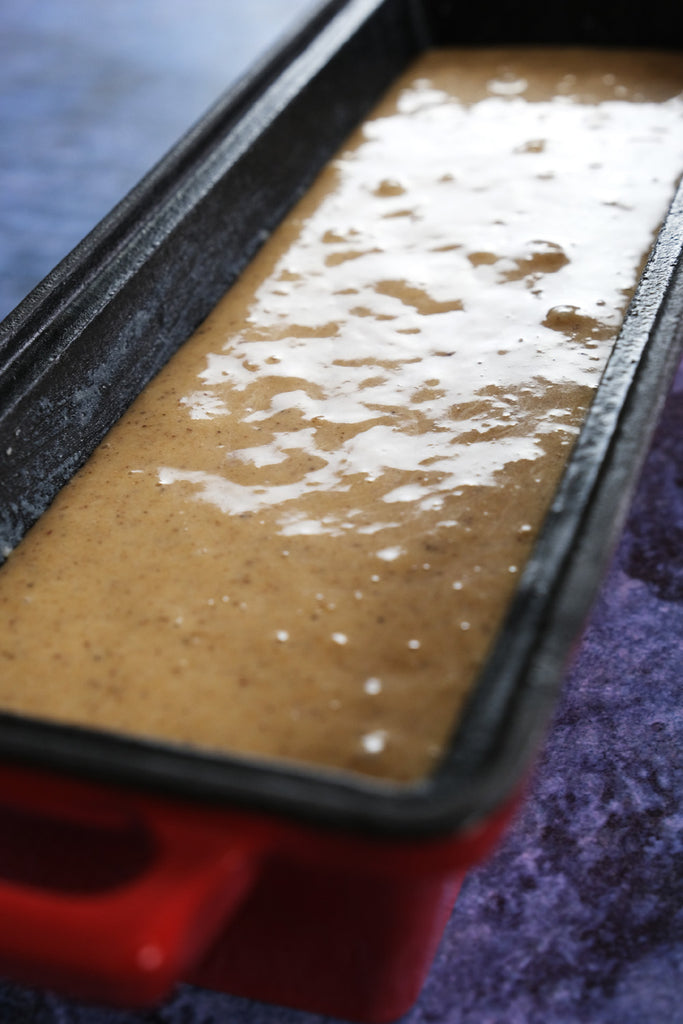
x,y
301,539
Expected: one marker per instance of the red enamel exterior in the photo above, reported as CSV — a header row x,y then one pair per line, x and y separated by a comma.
x,y
130,893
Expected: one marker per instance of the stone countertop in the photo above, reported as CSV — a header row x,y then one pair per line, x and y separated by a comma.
x,y
578,917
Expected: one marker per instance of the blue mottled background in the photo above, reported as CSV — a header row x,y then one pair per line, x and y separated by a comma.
x,y
578,917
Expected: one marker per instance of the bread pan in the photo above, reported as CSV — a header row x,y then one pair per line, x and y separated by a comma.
x,y
230,871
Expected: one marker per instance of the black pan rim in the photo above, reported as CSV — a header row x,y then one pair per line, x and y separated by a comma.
x,y
509,712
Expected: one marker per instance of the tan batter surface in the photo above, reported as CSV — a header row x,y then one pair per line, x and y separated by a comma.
x,y
302,538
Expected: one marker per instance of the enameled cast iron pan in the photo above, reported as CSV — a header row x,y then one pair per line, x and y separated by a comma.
x,y
197,849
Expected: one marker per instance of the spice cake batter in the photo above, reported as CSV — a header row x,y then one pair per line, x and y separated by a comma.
x,y
301,539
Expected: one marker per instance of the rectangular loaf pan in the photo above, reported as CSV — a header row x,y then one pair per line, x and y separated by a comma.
x,y
79,349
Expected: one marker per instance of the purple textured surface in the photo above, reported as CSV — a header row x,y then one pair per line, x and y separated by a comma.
x,y
578,917
92,95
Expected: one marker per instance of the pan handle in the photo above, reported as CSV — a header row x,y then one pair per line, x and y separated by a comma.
x,y
129,943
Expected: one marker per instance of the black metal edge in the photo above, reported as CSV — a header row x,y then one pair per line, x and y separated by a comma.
x,y
486,761
566,22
